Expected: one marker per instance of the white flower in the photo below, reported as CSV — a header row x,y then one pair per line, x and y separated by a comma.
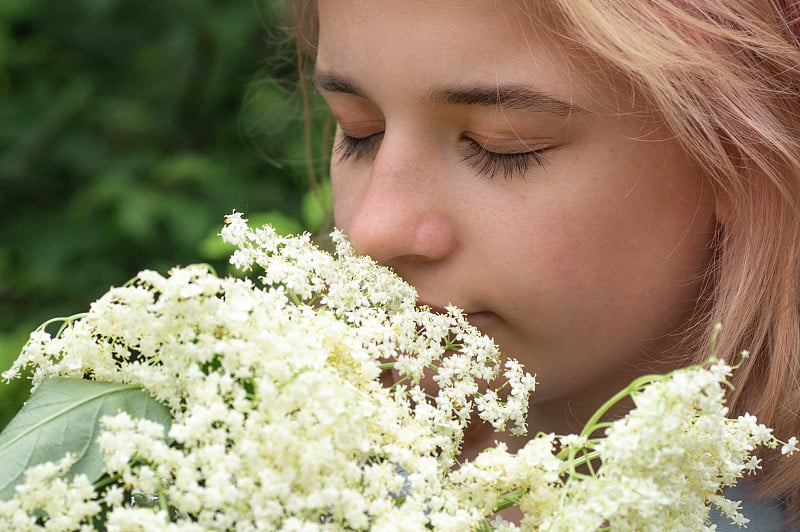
x,y
790,446
281,421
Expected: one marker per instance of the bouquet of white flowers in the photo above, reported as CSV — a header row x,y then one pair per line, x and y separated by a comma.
x,y
194,402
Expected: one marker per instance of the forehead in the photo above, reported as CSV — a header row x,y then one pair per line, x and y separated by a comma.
x,y
442,43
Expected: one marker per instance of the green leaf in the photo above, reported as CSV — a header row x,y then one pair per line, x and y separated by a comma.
x,y
63,415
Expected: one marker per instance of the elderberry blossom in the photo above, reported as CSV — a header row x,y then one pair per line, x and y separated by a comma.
x,y
282,417
280,420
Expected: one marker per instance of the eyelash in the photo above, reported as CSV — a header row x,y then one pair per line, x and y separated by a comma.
x,y
358,148
510,165
487,163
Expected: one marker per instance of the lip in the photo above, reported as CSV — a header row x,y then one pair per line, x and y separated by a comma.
x,y
479,319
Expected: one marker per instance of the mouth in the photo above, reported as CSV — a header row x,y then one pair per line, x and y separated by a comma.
x,y
480,319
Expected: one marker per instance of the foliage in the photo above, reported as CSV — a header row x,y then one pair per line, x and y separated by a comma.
x,y
63,416
127,129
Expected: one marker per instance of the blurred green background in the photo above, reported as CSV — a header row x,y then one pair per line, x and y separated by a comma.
x,y
128,129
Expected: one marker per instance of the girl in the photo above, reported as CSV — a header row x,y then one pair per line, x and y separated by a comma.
x,y
597,183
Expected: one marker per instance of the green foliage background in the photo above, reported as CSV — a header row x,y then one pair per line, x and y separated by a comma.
x,y
128,129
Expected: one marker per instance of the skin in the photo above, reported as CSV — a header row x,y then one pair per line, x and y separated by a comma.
x,y
583,265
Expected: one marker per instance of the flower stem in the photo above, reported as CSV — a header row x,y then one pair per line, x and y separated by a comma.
x,y
105,481
162,501
593,424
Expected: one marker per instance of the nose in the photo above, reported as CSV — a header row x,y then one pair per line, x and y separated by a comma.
x,y
401,214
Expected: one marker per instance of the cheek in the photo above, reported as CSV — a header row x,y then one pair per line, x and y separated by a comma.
x,y
618,255
562,263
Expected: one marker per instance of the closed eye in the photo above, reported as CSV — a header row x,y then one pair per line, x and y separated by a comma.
x,y
491,164
487,163
357,148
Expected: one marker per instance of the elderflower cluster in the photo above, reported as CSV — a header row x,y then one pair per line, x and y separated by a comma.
x,y
675,445
660,467
280,420
70,504
283,419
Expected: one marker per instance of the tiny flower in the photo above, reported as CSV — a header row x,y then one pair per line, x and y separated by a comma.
x,y
573,440
281,419
790,446
753,464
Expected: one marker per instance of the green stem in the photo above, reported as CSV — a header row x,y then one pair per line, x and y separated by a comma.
x,y
571,451
64,322
162,501
585,458
510,499
105,481
399,382
296,300
593,424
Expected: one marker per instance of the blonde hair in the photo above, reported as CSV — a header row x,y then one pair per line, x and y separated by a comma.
x,y
724,76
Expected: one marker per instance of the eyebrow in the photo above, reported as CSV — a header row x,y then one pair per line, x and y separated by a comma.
x,y
330,82
517,97
513,96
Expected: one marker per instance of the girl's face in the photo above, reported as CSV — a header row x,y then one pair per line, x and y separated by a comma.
x,y
472,161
